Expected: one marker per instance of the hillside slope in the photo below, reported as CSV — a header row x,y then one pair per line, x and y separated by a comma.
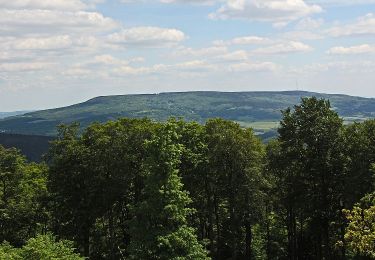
x,y
244,107
32,146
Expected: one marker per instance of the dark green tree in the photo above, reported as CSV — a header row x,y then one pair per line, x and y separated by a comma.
x,y
235,186
95,178
160,228
311,169
22,194
359,149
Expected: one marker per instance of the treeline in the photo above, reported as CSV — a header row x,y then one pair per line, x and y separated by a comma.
x,y
138,189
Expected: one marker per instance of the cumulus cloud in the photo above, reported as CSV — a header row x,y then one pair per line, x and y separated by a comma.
x,y
358,49
187,66
331,3
363,26
23,66
26,22
199,52
309,24
71,5
198,2
302,35
284,48
245,40
194,2
278,12
256,67
235,56
147,36
43,43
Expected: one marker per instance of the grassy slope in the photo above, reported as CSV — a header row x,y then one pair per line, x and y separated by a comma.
x,y
258,109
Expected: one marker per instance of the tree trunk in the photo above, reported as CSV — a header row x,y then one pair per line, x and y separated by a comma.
x,y
249,238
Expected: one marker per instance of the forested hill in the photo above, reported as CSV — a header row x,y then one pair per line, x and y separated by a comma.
x,y
248,108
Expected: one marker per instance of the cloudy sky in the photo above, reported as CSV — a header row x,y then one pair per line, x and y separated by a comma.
x,y
59,52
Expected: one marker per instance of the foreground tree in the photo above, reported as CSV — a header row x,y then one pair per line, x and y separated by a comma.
x,y
95,178
310,171
160,228
22,193
234,186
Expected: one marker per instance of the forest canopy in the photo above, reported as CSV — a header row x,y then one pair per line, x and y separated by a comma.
x,y
140,189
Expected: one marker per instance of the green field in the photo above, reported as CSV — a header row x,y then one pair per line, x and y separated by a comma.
x,y
262,126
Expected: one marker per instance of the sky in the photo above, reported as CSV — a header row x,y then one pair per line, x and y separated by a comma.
x,y
60,52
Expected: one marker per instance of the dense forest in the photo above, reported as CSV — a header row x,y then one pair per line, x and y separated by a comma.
x,y
140,189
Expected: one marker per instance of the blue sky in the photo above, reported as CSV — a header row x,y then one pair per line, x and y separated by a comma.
x,y
60,52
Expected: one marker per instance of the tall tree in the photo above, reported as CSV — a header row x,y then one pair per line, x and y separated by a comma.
x,y
159,228
235,187
311,171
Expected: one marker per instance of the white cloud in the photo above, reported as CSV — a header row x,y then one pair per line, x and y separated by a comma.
x,y
198,2
31,22
245,40
198,66
147,37
363,26
257,67
76,72
278,12
194,65
234,56
108,60
309,24
359,49
331,3
194,2
71,5
23,66
284,48
205,52
43,43
301,35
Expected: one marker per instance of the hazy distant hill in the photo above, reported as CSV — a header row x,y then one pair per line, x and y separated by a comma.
x,y
15,113
258,109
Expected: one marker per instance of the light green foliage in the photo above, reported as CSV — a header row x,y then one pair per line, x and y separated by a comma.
x,y
7,252
45,247
42,247
360,233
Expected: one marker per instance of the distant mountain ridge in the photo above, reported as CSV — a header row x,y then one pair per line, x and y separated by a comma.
x,y
247,108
